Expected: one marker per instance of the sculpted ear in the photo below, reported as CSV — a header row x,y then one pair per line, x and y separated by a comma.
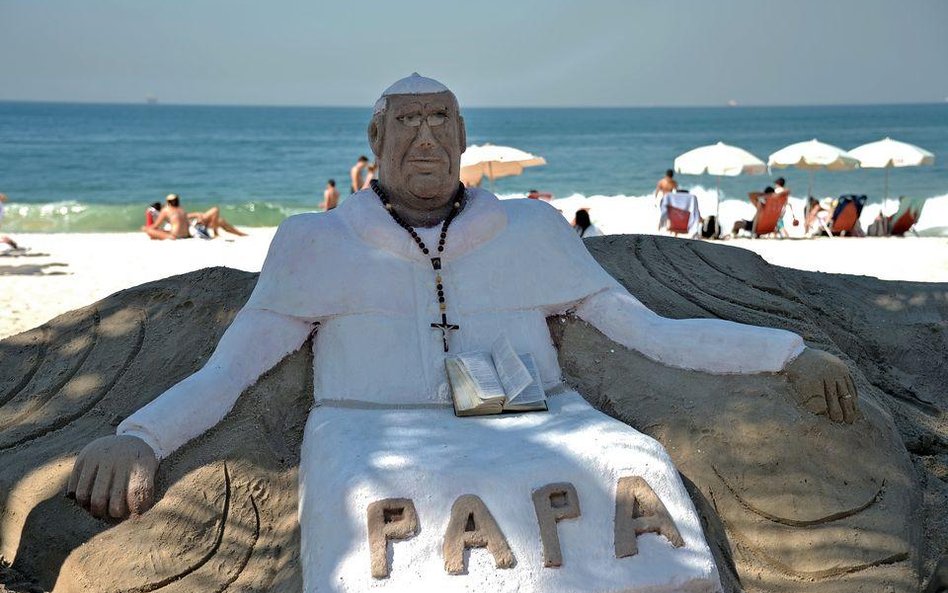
x,y
462,134
375,137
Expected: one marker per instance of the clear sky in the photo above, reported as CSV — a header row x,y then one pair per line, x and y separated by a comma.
x,y
491,52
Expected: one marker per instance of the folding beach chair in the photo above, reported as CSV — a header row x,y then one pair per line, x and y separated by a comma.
x,y
678,220
846,215
769,214
907,215
680,213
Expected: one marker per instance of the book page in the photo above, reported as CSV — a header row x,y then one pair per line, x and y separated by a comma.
x,y
532,396
462,387
513,375
480,368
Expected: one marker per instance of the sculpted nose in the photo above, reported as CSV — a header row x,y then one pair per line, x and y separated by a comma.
x,y
424,138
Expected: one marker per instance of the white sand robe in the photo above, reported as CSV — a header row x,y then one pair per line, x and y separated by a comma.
x,y
382,426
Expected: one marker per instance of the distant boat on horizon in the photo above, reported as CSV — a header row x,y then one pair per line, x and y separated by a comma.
x,y
151,100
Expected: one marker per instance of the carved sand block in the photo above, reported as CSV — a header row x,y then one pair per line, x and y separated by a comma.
x,y
220,525
48,401
805,504
194,541
700,419
783,482
477,508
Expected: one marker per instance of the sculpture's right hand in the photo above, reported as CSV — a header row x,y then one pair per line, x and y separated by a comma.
x,y
114,477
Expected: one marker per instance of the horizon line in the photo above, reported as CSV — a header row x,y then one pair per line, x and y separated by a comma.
x,y
159,103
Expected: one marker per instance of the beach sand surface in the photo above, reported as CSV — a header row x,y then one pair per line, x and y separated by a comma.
x,y
790,502
62,272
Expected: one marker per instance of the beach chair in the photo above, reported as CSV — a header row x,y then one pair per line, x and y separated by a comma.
x,y
765,222
907,215
679,213
846,215
678,220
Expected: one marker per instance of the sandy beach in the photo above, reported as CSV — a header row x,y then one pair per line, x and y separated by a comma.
x,y
62,272
67,270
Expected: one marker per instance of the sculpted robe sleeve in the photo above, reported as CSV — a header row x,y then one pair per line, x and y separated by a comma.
x,y
258,339
709,345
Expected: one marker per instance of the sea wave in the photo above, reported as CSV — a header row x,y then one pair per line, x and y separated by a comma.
x,y
78,217
629,214
613,214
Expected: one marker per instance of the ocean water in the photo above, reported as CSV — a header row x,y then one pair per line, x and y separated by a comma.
x,y
82,167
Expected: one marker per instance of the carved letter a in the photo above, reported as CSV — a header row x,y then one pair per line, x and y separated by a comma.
x,y
472,526
638,511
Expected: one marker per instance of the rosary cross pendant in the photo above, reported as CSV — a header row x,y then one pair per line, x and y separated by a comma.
x,y
445,327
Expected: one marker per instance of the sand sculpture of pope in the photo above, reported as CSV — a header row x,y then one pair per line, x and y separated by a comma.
x,y
396,492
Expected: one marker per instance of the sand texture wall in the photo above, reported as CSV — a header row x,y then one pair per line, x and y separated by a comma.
x,y
789,500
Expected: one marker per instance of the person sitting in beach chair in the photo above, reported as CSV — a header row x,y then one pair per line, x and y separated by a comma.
x,y
679,213
770,208
899,223
845,219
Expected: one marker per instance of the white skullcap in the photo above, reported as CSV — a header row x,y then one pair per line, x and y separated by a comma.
x,y
416,84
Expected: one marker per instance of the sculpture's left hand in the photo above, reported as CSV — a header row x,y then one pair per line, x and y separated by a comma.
x,y
823,385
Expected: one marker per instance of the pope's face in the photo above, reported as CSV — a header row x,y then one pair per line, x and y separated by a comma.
x,y
419,148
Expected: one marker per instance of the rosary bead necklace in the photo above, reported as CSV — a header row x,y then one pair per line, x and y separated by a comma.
x,y
444,326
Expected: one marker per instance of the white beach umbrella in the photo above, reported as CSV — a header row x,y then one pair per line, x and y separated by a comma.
x,y
495,162
720,160
888,153
812,156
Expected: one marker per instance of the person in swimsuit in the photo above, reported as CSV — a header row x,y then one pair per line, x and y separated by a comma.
x,y
173,214
180,222
666,184
5,238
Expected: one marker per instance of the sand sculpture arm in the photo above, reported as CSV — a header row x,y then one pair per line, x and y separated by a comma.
x,y
253,344
709,345
114,476
821,381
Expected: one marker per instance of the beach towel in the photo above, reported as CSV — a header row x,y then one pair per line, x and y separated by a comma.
x,y
682,202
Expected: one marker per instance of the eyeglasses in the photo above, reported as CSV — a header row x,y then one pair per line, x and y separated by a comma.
x,y
413,120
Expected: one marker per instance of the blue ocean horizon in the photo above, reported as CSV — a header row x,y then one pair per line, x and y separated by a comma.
x,y
94,167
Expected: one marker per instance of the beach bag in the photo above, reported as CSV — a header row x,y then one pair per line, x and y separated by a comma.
x,y
710,229
200,231
878,228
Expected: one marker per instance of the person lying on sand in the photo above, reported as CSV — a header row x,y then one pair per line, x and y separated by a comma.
x,y
180,222
5,238
212,220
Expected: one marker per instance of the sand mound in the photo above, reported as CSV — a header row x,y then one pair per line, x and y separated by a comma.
x,y
791,502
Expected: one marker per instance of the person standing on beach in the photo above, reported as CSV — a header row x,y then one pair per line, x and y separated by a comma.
x,y
666,184
780,186
330,196
371,172
357,172
5,238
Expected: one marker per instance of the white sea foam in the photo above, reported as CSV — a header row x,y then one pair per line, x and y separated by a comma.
x,y
622,214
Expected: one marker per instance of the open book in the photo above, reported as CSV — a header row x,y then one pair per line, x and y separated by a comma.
x,y
494,382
